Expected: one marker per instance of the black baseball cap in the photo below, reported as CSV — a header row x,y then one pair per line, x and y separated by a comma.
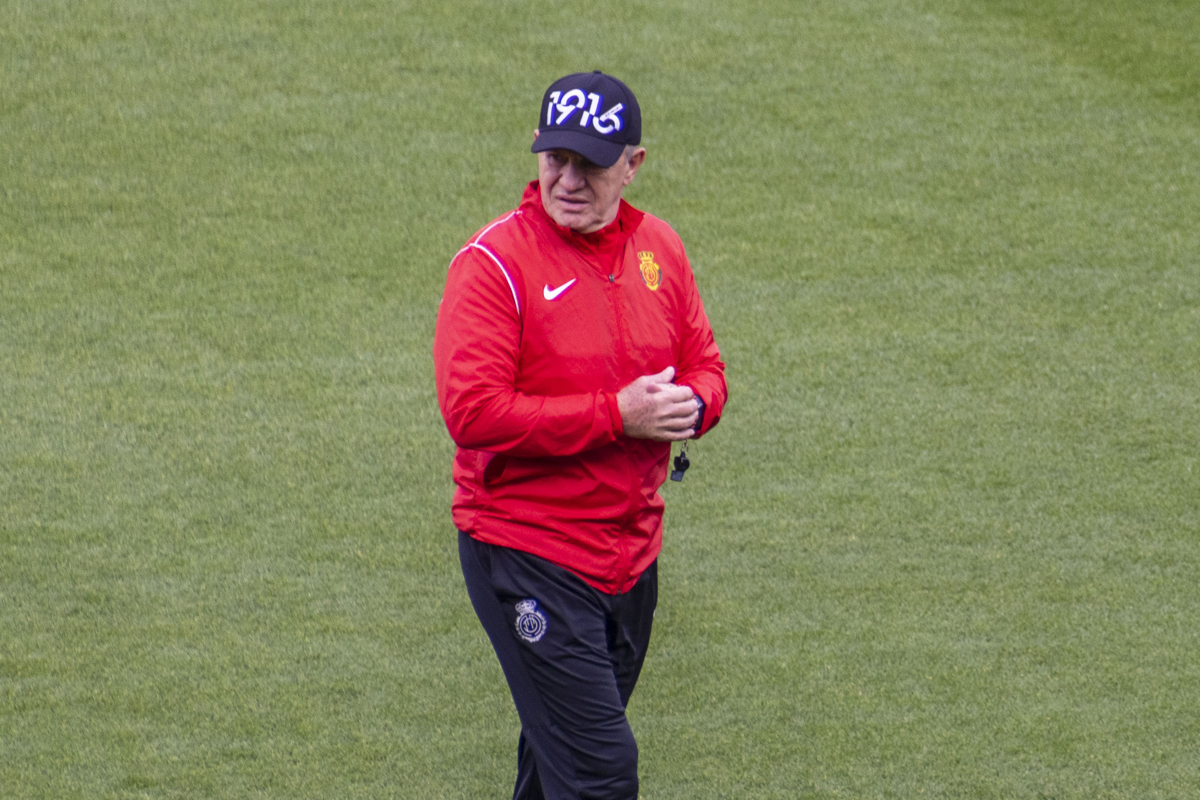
x,y
590,113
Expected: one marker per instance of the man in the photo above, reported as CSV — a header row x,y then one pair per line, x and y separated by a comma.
x,y
571,350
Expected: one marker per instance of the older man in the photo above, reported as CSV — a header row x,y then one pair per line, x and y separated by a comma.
x,y
571,349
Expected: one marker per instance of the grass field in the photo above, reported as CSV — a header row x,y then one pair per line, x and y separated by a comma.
x,y
945,543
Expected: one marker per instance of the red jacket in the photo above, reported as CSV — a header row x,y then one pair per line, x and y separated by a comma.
x,y
538,330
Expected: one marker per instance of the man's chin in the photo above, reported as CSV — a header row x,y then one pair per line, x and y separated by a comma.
x,y
573,219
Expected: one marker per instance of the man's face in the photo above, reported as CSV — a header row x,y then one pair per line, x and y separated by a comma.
x,y
580,195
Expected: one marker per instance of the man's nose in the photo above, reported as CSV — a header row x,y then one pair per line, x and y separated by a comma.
x,y
572,177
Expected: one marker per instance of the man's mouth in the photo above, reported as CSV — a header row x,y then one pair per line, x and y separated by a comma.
x,y
572,202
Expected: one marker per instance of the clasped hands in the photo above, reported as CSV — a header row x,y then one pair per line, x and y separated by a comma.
x,y
654,408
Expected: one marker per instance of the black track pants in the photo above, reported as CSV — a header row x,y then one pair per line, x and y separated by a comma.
x,y
571,655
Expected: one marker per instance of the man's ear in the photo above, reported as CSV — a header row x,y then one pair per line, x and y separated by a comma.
x,y
636,158
535,134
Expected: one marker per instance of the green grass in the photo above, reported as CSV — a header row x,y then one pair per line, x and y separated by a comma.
x,y
945,542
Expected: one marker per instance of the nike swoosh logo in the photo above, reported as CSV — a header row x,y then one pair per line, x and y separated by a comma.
x,y
552,294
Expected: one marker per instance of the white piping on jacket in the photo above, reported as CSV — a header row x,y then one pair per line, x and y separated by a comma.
x,y
511,288
492,255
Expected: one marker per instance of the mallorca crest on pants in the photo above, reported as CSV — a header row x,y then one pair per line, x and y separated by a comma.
x,y
531,623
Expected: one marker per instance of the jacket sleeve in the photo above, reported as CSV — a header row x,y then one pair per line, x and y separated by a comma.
x,y
700,365
476,349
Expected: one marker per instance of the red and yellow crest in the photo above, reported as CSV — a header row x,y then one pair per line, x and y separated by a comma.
x,y
651,274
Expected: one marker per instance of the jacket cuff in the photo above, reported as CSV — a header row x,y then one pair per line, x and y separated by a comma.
x,y
614,413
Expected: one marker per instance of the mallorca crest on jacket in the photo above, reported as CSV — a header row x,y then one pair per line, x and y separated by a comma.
x,y
651,274
531,623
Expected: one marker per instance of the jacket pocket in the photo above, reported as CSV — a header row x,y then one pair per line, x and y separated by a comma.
x,y
492,470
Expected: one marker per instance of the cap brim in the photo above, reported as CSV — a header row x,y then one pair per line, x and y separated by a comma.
x,y
598,151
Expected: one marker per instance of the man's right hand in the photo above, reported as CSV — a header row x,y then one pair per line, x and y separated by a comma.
x,y
654,408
